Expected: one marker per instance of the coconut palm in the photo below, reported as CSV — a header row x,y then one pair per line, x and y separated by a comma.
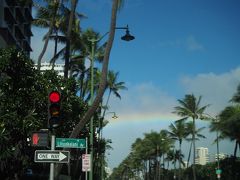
x,y
60,36
236,96
68,36
198,135
229,125
47,17
190,108
114,86
178,132
103,82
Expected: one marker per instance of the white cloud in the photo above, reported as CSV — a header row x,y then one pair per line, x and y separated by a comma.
x,y
143,101
215,89
147,101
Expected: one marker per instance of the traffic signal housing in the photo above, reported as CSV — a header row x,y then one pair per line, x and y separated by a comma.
x,y
54,109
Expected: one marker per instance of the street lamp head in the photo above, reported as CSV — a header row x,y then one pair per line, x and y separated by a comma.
x,y
127,36
114,116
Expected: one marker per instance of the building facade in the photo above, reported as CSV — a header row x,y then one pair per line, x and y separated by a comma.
x,y
15,24
220,156
57,67
202,156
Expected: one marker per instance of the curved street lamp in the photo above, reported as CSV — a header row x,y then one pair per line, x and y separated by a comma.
x,y
216,120
126,37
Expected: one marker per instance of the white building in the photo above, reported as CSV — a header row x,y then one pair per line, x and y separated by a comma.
x,y
57,67
220,155
185,164
202,156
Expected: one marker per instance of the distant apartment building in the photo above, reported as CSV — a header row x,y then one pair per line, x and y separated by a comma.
x,y
57,67
202,156
15,24
220,156
185,164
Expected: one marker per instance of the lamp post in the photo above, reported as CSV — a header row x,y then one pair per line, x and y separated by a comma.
x,y
218,164
114,116
126,37
216,121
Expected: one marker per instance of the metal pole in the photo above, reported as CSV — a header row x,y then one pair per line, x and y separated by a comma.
x,y
218,165
51,175
86,151
91,122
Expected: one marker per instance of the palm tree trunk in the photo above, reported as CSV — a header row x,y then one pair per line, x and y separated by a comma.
x,y
194,150
239,146
235,149
55,47
179,161
68,37
47,38
45,46
102,85
174,175
189,154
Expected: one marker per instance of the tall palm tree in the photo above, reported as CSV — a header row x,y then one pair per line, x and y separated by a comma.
x,y
114,86
60,35
103,82
68,36
229,125
198,135
236,96
178,132
190,108
47,17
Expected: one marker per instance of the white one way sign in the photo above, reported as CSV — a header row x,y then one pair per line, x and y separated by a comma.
x,y
51,156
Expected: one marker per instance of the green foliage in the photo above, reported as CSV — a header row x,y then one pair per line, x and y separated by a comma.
x,y
23,108
17,109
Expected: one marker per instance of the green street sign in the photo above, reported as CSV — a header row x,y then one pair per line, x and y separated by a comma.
x,y
218,171
70,143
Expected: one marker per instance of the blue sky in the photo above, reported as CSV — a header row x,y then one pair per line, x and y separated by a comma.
x,y
181,47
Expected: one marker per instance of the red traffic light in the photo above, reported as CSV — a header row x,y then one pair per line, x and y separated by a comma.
x,y
54,97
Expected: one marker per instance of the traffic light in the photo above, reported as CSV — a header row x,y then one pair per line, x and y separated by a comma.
x,y
54,109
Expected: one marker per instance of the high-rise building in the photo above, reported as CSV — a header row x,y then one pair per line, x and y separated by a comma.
x,y
15,24
220,156
202,156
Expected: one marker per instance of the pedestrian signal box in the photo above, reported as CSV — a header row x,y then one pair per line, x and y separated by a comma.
x,y
40,139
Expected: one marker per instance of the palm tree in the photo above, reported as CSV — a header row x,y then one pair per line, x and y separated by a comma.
x,y
114,86
178,132
236,96
68,36
229,125
228,121
190,108
198,135
60,35
103,82
47,17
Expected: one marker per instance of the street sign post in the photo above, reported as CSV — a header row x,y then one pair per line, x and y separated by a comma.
x,y
70,143
51,156
86,162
